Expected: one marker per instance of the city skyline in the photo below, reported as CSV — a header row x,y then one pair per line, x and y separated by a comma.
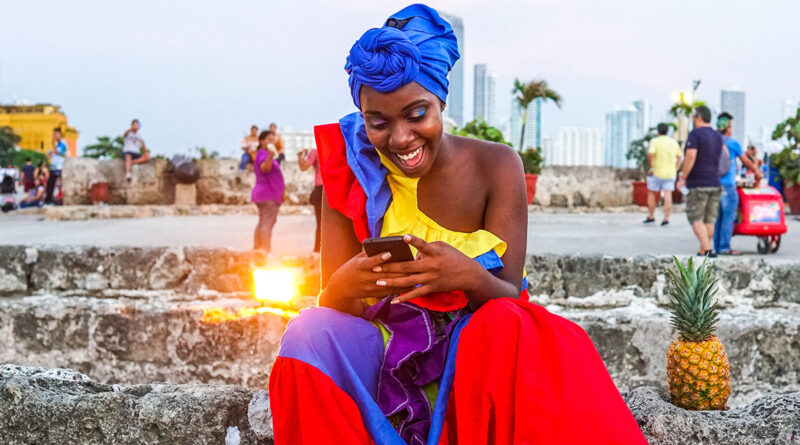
x,y
205,89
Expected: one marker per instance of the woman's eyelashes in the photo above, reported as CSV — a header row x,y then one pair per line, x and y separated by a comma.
x,y
417,114
377,124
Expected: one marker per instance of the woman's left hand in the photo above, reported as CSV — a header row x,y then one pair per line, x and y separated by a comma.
x,y
439,267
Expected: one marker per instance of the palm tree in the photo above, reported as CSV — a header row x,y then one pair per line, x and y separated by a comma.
x,y
526,93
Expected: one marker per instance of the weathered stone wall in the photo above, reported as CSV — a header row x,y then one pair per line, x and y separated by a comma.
x,y
585,186
61,406
220,183
137,315
154,183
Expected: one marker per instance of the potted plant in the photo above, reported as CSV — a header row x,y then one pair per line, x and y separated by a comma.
x,y
532,160
787,161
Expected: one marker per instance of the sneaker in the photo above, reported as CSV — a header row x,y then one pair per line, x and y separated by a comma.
x,y
649,220
664,223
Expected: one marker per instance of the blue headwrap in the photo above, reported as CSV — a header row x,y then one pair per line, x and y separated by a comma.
x,y
415,45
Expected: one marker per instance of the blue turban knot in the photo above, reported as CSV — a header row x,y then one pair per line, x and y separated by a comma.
x,y
415,45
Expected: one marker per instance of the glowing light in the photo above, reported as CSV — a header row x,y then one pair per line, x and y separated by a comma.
x,y
216,315
274,285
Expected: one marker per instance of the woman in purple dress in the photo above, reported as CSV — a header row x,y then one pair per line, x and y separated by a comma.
x,y
268,191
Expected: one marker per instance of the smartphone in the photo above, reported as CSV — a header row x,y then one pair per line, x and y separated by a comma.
x,y
392,244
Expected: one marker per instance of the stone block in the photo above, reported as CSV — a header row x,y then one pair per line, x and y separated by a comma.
x,y
185,194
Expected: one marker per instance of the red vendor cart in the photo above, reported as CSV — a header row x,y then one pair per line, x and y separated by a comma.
x,y
761,214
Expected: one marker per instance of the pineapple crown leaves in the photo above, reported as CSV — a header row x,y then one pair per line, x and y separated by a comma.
x,y
695,312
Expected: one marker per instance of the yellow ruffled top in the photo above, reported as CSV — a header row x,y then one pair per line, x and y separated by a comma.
x,y
404,216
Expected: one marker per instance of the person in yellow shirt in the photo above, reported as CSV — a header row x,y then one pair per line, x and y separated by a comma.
x,y
664,157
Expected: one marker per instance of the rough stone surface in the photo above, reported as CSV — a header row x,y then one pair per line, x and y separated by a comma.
x,y
772,419
84,212
185,194
126,340
39,405
584,186
151,182
61,406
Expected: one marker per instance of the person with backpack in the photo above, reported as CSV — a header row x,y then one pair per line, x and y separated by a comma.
x,y
729,198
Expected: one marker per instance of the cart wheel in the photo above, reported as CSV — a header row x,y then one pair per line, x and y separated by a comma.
x,y
775,243
763,245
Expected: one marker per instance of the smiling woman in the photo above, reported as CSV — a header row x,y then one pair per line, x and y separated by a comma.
x,y
444,349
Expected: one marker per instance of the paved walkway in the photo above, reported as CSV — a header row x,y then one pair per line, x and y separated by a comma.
x,y
617,234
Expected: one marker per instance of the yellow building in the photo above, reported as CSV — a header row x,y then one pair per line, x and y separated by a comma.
x,y
35,124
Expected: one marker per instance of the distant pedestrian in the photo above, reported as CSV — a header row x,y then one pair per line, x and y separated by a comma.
x,y
27,175
729,199
12,172
133,149
664,157
752,155
279,146
42,172
249,146
34,196
307,159
701,176
56,156
267,193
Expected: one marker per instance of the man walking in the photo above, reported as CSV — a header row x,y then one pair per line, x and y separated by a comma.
x,y
729,199
700,174
664,157
56,156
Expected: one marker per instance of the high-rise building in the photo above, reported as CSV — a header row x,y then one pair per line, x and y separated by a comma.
x,y
620,131
644,111
530,125
479,93
732,101
294,141
491,99
455,95
789,109
574,146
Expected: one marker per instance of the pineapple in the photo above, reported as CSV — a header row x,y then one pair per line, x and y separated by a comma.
x,y
697,365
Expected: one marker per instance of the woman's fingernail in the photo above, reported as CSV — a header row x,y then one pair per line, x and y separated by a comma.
x,y
386,256
376,269
394,301
406,237
380,283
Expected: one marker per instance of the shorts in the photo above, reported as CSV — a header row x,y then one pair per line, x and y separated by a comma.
x,y
134,156
656,184
702,204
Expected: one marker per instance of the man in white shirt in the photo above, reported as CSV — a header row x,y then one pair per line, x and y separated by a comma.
x,y
133,149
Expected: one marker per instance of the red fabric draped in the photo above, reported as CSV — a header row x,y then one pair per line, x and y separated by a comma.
x,y
308,408
523,376
342,189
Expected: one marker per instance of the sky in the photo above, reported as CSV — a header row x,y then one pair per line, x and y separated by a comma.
x,y
200,73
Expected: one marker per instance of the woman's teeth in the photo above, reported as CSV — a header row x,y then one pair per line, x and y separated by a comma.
x,y
412,158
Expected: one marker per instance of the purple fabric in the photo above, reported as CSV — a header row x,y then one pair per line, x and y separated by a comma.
x,y
414,356
269,185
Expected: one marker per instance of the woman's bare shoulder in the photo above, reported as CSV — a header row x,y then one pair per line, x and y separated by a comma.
x,y
494,158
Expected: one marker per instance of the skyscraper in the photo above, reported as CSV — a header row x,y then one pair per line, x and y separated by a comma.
x,y
732,101
455,96
620,130
644,111
479,94
491,99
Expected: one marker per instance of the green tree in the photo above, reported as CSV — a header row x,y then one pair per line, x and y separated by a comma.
x,y
479,129
787,162
36,157
105,148
8,145
525,93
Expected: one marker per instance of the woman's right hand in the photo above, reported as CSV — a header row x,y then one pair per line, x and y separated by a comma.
x,y
356,279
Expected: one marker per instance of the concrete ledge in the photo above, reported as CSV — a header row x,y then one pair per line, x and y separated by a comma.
x,y
84,212
39,405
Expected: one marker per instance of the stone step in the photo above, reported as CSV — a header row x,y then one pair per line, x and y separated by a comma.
x,y
126,340
62,406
